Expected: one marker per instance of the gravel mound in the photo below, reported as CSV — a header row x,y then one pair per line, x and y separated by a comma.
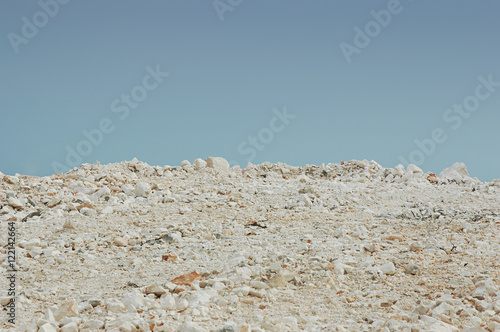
x,y
207,247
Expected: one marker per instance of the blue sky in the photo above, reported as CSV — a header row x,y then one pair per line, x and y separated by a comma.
x,y
292,81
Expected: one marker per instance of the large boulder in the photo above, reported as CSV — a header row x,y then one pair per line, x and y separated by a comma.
x,y
457,172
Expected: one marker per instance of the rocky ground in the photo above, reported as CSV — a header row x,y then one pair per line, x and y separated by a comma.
x,y
272,247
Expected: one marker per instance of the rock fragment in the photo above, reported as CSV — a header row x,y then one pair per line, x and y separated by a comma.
x,y
47,328
92,324
135,299
155,289
142,189
69,224
186,279
120,242
412,269
278,280
189,327
107,210
199,164
70,327
128,189
416,246
11,179
181,304
84,206
217,163
54,202
388,268
15,203
170,257
456,172
68,309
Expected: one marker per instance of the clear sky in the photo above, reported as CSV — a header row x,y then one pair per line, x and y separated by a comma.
x,y
301,82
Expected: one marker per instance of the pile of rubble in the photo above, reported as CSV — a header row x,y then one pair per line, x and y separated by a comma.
x,y
204,247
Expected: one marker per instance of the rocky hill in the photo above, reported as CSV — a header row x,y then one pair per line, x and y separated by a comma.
x,y
350,246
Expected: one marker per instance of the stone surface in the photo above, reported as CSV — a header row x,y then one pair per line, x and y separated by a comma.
x,y
156,290
121,242
68,309
218,163
388,268
189,327
456,172
15,203
351,246
142,189
92,324
186,279
47,328
199,164
70,327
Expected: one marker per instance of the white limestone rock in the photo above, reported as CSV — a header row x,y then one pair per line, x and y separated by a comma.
x,y
142,189
189,327
218,163
47,327
456,172
15,203
388,268
128,189
199,164
68,309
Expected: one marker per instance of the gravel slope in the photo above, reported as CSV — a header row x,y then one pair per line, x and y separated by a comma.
x,y
204,247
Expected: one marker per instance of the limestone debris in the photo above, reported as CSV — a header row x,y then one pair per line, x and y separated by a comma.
x,y
351,246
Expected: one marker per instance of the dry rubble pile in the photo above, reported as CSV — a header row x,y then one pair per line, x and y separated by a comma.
x,y
204,247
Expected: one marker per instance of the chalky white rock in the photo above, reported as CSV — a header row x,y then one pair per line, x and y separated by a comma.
x,y
351,246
